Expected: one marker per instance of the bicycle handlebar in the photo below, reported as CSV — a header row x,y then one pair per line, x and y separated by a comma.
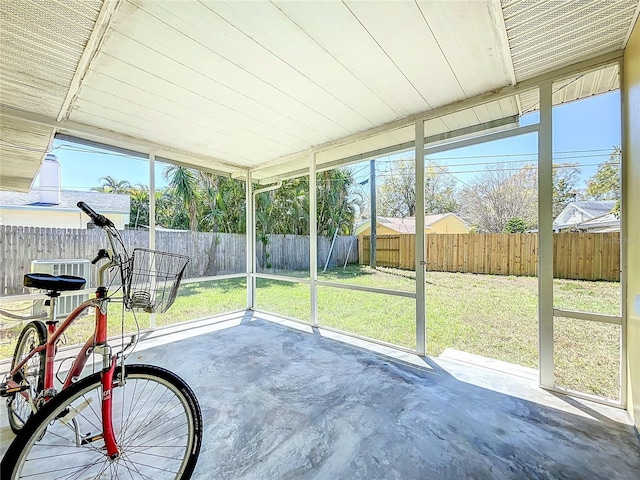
x,y
100,220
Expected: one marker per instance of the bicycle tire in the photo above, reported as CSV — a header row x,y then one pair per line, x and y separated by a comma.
x,y
19,408
47,445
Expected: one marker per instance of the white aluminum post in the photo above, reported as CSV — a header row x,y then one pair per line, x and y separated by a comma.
x,y
374,216
421,295
152,216
254,261
624,221
545,237
313,238
250,243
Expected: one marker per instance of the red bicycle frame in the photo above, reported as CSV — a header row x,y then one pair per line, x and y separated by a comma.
x,y
98,343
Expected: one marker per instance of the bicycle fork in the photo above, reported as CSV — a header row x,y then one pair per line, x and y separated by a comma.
x,y
107,434
108,368
107,410
109,363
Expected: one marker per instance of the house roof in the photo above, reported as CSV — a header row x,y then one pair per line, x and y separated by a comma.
x,y
260,87
408,224
400,225
588,209
608,221
594,208
101,202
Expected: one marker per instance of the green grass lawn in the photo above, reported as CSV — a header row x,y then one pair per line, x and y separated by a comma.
x,y
493,316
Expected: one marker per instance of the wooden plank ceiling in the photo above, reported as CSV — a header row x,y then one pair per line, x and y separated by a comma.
x,y
234,86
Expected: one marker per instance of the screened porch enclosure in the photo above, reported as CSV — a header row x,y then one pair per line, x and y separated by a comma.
x,y
268,92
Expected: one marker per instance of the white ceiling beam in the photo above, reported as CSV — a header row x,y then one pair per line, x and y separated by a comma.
x,y
431,141
91,133
103,22
481,139
134,153
497,18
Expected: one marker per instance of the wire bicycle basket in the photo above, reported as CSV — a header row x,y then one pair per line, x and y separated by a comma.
x,y
153,279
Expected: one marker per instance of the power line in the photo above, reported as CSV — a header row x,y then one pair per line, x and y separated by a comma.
x,y
511,161
450,174
500,169
531,154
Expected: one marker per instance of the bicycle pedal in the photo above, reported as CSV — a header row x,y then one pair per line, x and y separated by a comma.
x,y
10,389
90,439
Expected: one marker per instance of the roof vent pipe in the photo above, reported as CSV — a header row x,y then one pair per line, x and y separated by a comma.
x,y
50,180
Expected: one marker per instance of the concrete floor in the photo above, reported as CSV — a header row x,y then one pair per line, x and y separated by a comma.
x,y
283,401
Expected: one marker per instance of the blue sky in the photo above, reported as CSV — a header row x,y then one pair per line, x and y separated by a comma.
x,y
586,129
82,167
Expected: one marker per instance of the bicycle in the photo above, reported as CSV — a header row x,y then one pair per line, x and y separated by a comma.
x,y
129,421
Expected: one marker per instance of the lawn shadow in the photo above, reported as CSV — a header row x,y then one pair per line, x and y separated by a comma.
x,y
268,282
223,286
351,272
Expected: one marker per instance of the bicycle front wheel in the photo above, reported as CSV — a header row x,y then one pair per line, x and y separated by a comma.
x,y
156,419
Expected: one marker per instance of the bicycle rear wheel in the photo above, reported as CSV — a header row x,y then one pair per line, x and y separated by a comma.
x,y
156,419
33,335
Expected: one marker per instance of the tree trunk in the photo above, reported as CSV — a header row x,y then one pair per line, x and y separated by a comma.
x,y
212,262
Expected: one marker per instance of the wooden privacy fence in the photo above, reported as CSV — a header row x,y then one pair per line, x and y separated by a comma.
x,y
579,256
211,254
291,252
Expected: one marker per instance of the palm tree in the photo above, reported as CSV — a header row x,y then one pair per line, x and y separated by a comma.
x,y
184,184
111,185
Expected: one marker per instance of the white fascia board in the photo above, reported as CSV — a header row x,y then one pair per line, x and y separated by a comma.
x,y
634,20
470,132
109,137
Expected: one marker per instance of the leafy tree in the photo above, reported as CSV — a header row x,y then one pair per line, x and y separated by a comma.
x,y
169,210
605,183
286,210
336,209
397,192
139,205
498,195
396,195
202,201
231,212
616,209
440,191
515,225
566,177
213,203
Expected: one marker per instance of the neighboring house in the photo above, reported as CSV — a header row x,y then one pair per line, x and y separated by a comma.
x,y
602,224
49,206
576,214
441,223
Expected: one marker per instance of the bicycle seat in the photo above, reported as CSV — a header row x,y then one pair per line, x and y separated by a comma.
x,y
57,283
